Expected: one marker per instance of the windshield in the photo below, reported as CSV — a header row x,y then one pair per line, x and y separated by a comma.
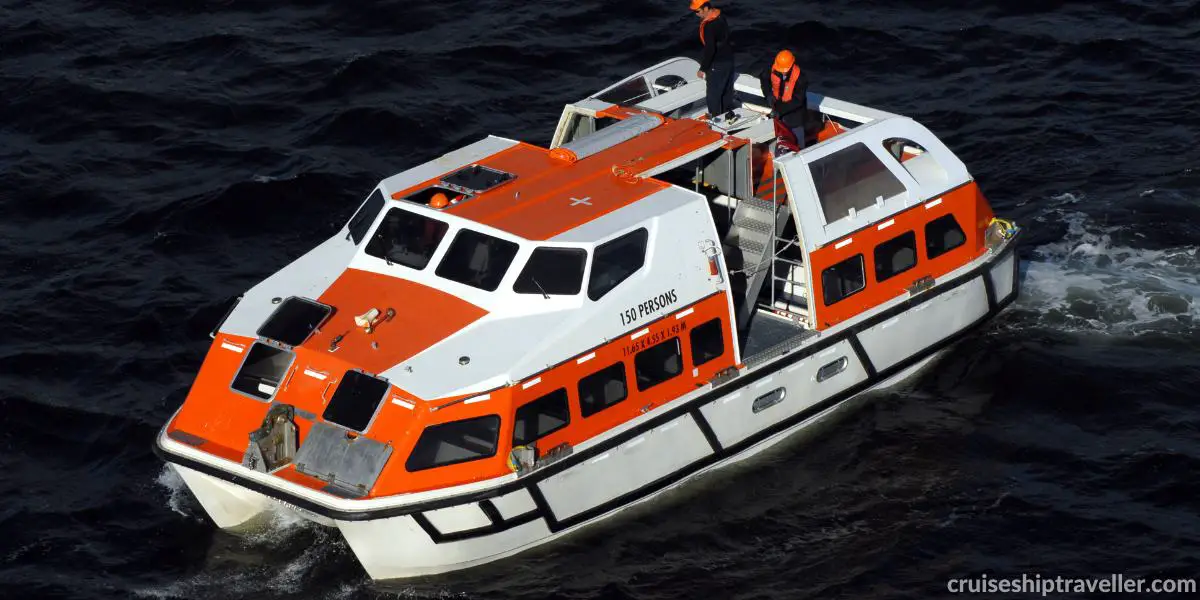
x,y
477,260
406,238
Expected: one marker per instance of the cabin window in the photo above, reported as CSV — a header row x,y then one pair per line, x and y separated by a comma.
x,y
477,260
541,418
943,235
708,342
357,398
895,256
918,162
362,220
407,238
615,260
262,371
293,321
554,271
658,364
851,180
630,92
455,442
843,280
602,389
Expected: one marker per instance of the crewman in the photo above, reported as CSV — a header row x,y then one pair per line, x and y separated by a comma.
x,y
716,64
785,87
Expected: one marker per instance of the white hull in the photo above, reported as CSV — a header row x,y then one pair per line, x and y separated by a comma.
x,y
704,431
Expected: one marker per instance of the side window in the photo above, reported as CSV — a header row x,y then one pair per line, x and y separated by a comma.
x,y
477,260
406,238
602,389
943,235
455,442
851,179
557,271
541,418
895,256
362,220
919,163
615,261
843,280
708,342
657,364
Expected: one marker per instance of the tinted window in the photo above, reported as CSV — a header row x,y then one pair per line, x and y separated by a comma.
x,y
362,220
477,260
943,235
657,364
262,371
708,342
355,401
294,320
553,270
895,256
631,92
455,442
541,418
852,178
602,389
615,261
843,279
406,238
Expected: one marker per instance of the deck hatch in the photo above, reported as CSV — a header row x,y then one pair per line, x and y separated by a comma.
x,y
349,464
354,403
294,320
262,371
477,178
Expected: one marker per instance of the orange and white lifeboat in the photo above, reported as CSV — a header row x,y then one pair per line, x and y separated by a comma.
x,y
509,342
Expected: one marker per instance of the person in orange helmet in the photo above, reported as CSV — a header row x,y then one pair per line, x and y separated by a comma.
x,y
439,201
785,87
716,64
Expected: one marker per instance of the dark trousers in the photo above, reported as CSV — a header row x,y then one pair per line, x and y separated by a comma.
x,y
720,88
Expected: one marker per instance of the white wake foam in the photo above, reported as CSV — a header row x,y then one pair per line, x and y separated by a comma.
x,y
1088,282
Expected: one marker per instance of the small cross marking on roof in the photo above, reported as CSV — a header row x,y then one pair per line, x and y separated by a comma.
x,y
585,200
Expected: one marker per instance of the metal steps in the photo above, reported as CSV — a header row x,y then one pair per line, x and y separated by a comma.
x,y
755,227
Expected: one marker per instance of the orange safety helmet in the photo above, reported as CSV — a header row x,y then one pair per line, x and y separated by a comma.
x,y
439,200
697,4
784,61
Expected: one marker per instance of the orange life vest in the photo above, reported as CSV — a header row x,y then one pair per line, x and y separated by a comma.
x,y
712,14
789,89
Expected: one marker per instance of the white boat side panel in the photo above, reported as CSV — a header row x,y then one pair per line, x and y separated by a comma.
x,y
445,164
308,276
462,517
733,419
645,458
926,324
1002,277
229,505
397,547
514,504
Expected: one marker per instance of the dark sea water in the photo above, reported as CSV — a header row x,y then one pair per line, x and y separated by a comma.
x,y
159,157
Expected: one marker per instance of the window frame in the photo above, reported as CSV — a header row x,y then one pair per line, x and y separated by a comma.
x,y
862,262
720,325
566,405
596,253
583,410
360,222
495,444
583,271
383,255
915,255
950,249
387,389
867,151
636,357
446,256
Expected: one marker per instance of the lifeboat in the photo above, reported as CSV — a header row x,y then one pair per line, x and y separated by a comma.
x,y
508,343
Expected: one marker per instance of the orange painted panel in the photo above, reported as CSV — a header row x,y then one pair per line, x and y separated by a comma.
x,y
424,316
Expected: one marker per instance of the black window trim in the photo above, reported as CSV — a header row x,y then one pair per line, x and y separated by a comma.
x,y
679,352
862,260
591,265
495,447
916,256
721,336
624,376
378,407
438,252
439,256
584,278
246,356
566,396
359,217
945,251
